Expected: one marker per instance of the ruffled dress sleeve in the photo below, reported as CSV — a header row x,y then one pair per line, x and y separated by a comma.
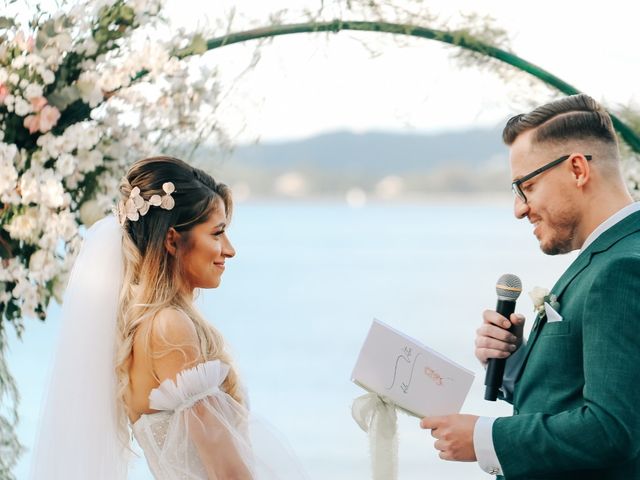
x,y
201,433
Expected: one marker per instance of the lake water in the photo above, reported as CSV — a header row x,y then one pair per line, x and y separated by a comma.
x,y
298,299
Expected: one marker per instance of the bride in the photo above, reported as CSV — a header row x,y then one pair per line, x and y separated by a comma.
x,y
136,357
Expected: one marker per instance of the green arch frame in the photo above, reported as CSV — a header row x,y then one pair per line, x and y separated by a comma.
x,y
458,38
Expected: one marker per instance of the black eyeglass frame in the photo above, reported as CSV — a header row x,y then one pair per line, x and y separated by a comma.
x,y
515,186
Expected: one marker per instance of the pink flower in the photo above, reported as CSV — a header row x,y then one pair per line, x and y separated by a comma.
x,y
4,91
37,103
49,117
25,44
32,122
43,121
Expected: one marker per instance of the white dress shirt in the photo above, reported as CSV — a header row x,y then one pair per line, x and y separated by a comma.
x,y
482,433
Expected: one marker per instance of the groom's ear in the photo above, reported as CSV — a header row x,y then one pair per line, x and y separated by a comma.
x,y
580,169
171,241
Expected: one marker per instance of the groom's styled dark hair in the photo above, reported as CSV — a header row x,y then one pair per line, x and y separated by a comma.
x,y
577,117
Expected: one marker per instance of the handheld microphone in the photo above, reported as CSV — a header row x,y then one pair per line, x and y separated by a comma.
x,y
508,289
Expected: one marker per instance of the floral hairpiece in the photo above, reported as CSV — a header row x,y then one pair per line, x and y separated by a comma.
x,y
136,206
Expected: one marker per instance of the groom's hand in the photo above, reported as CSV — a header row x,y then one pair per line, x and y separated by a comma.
x,y
454,436
493,339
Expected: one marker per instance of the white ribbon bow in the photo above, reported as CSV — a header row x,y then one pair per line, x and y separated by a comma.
x,y
377,416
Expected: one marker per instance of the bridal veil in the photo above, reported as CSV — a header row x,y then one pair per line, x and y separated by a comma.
x,y
78,430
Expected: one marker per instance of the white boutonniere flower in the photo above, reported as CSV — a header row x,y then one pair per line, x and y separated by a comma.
x,y
540,296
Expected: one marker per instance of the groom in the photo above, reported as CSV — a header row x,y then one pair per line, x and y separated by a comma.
x,y
576,397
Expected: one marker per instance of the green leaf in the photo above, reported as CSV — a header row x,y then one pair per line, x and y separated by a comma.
x,y
127,14
6,22
198,44
49,27
101,36
41,39
64,97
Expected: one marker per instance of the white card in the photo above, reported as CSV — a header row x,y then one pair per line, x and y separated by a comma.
x,y
416,378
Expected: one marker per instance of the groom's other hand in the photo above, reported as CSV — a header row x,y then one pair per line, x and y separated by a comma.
x,y
493,339
454,436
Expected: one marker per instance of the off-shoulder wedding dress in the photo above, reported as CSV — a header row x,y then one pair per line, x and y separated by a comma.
x,y
195,420
81,435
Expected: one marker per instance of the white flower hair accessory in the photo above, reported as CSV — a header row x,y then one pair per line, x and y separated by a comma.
x,y
540,296
166,201
136,206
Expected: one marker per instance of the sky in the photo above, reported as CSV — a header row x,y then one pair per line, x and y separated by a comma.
x,y
308,84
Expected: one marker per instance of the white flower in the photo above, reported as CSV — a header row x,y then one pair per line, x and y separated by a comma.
x,y
83,136
540,296
8,101
10,198
89,88
47,76
28,293
51,145
38,158
33,90
537,296
14,78
42,266
66,164
56,227
73,180
22,107
42,186
35,61
68,143
18,63
88,47
66,226
53,194
9,176
167,200
89,160
12,270
30,187
91,212
51,57
22,286
59,285
24,227
63,41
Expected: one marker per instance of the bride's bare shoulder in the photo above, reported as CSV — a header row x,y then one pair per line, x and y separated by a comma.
x,y
173,325
175,345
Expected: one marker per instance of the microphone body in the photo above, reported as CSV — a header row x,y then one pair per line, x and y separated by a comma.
x,y
508,289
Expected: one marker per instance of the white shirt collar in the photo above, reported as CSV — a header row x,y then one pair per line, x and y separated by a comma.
x,y
610,222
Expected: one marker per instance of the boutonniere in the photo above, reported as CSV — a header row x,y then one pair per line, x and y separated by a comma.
x,y
540,296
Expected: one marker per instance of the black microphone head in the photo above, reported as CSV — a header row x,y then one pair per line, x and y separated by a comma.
x,y
508,287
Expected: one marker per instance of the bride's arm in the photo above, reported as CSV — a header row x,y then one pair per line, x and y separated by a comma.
x,y
215,445
175,348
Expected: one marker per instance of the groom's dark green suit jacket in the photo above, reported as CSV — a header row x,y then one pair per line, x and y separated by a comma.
x,y
577,399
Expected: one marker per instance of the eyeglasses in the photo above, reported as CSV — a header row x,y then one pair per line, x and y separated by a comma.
x,y
515,186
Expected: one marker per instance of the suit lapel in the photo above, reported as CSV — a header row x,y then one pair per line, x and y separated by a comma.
x,y
623,228
579,264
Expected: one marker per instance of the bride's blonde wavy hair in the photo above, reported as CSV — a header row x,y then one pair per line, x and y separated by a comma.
x,y
153,278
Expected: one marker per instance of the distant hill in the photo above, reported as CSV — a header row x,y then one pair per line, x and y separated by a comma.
x,y
473,160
